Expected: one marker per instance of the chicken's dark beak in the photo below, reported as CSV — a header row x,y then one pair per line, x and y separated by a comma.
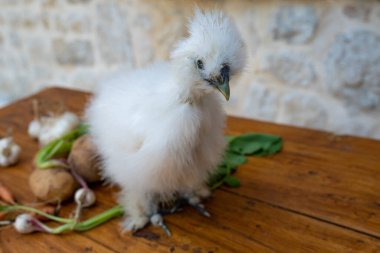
x,y
222,82
224,87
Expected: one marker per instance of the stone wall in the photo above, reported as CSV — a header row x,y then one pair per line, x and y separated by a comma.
x,y
311,63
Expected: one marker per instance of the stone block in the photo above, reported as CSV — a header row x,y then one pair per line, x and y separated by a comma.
x,y
261,102
113,34
39,51
360,11
290,68
353,68
295,24
79,1
18,18
76,22
76,52
303,109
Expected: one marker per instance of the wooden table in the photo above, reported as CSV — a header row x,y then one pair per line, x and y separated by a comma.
x,y
320,194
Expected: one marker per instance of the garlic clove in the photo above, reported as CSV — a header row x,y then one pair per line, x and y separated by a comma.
x,y
34,128
9,152
3,161
85,197
15,154
55,127
23,224
71,119
4,143
45,138
26,223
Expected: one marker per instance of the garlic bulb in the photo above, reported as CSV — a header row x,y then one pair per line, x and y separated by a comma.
x,y
34,128
9,152
23,224
85,197
26,223
47,129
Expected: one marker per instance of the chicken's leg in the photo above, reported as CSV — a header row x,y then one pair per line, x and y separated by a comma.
x,y
193,198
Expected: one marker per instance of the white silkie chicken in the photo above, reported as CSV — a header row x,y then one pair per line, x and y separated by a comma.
x,y
160,129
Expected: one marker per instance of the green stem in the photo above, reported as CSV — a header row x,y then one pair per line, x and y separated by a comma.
x,y
52,164
31,209
54,149
57,148
90,223
99,219
61,229
70,224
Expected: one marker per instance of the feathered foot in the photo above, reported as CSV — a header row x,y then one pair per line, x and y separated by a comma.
x,y
134,223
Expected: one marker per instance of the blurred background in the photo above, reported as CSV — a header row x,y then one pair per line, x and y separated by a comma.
x,y
311,63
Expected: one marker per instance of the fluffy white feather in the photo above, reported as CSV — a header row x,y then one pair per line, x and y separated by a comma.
x,y
160,129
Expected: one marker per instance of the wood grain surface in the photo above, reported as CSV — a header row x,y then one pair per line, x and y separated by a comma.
x,y
320,194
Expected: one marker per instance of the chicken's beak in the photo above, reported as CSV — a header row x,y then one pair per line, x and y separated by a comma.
x,y
221,82
224,87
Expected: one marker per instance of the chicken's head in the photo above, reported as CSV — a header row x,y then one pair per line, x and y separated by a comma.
x,y
212,53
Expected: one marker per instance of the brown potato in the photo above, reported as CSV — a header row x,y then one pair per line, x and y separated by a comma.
x,y
52,185
84,159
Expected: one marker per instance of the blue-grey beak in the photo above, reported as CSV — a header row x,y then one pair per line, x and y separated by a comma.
x,y
224,88
222,82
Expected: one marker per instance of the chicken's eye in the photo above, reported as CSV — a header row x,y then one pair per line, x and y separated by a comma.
x,y
200,64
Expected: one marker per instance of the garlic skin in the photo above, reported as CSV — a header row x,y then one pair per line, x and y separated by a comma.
x,y
26,224
47,129
23,224
58,127
9,152
85,197
70,119
34,128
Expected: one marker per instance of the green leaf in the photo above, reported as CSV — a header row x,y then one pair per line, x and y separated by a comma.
x,y
238,148
275,148
231,181
246,148
229,138
254,143
218,175
232,160
232,170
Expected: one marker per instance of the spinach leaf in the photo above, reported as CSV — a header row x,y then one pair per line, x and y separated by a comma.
x,y
252,143
231,181
238,147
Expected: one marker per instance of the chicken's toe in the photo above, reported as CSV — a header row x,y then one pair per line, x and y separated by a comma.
x,y
157,220
195,202
200,208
